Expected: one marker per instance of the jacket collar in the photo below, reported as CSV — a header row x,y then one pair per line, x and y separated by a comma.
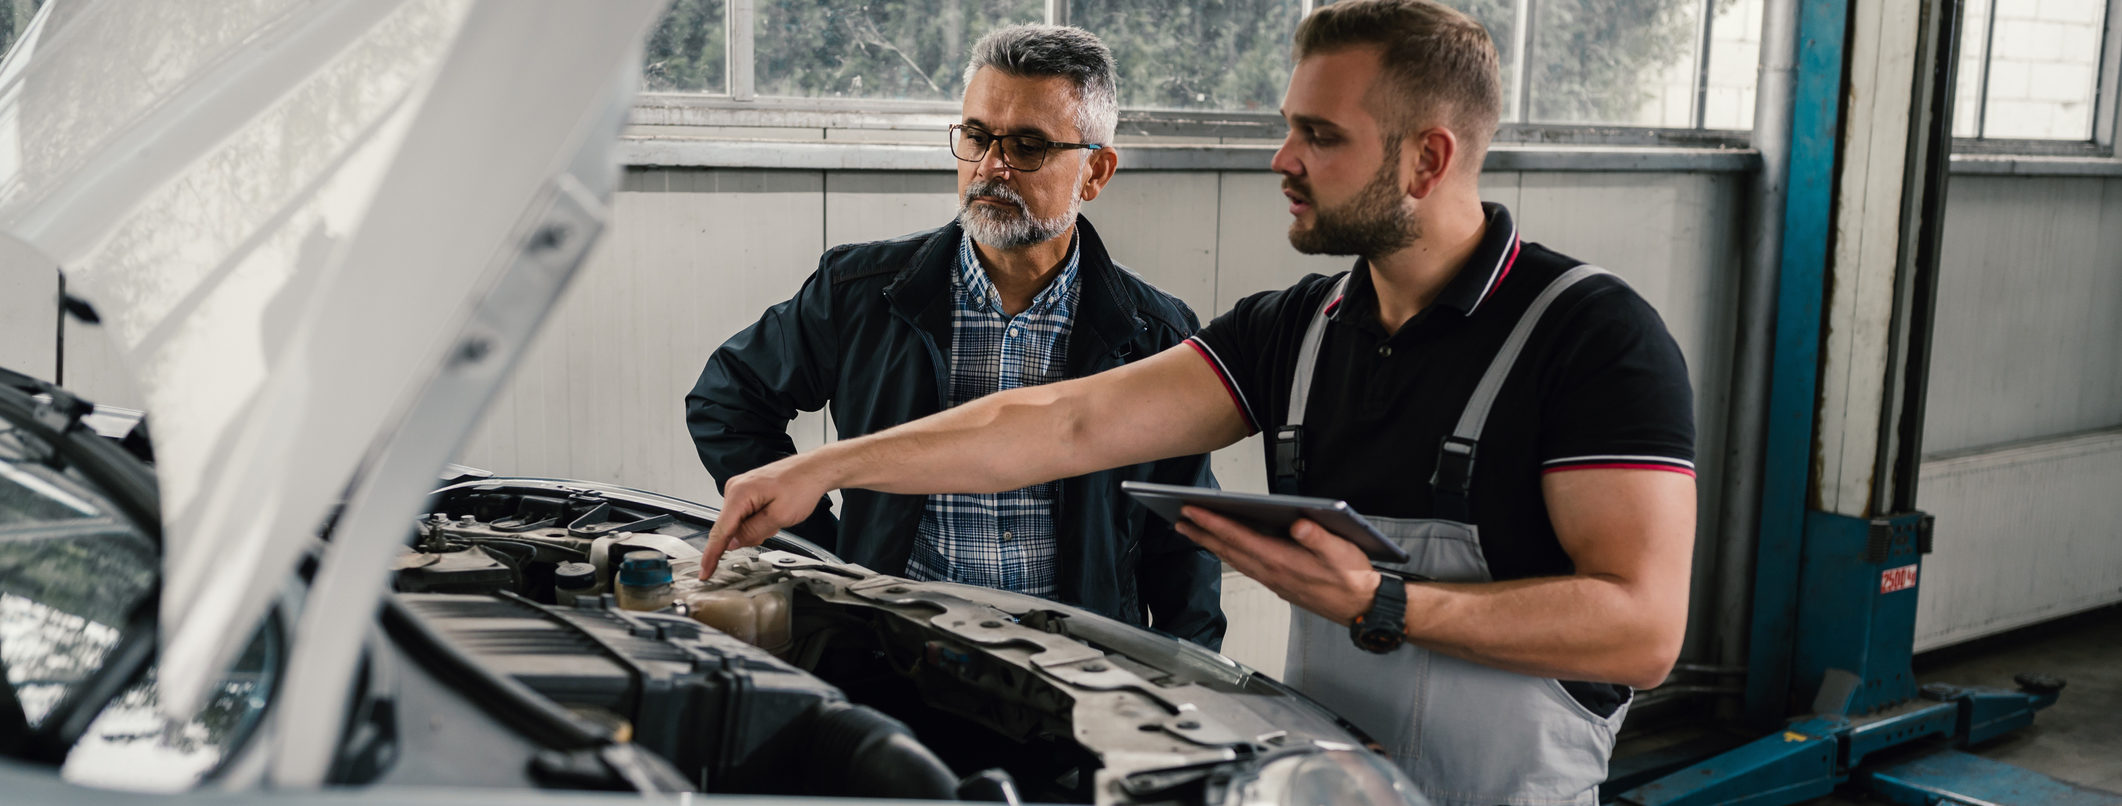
x,y
1106,314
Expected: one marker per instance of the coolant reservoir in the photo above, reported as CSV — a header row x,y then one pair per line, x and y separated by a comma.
x,y
644,581
755,614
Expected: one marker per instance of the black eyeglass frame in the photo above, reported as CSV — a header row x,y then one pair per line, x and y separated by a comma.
x,y
1051,146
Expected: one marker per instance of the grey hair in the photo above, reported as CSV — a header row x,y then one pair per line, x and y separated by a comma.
x,y
1058,50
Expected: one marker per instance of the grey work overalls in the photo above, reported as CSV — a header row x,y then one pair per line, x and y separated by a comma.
x,y
1469,735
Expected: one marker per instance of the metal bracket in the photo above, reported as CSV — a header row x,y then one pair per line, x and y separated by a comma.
x,y
1894,532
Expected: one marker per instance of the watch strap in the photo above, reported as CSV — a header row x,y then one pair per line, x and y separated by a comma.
x,y
1381,629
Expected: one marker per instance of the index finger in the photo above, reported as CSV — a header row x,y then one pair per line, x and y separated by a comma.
x,y
718,538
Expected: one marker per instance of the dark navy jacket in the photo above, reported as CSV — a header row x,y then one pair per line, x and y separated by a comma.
x,y
869,334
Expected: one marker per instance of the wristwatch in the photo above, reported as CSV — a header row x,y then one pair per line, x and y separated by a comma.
x,y
1380,630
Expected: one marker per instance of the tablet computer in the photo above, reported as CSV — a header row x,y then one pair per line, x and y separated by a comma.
x,y
1269,514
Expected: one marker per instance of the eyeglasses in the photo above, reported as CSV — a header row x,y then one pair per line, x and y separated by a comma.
x,y
1023,152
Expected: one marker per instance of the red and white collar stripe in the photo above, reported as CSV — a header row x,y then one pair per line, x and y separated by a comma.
x,y
1501,270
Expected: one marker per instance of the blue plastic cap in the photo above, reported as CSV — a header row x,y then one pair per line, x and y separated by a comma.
x,y
644,568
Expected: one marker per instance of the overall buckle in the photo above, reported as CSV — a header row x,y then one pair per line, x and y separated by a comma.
x,y
1289,458
1453,479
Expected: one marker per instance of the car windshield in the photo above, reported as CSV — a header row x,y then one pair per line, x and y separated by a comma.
x,y
73,573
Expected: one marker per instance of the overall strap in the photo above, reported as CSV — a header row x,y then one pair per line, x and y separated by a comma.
x,y
1454,476
1289,439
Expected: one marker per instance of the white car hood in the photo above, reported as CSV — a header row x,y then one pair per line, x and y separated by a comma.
x,y
317,232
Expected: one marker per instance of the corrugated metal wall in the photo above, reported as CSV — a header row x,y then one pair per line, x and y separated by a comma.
x,y
2023,433
2029,336
2024,534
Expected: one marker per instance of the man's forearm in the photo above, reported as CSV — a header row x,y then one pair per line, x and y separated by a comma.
x,y
1170,404
1004,441
1572,628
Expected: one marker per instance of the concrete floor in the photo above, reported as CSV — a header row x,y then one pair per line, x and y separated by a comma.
x,y
2079,739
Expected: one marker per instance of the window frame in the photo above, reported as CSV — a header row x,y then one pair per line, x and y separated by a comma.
x,y
2107,103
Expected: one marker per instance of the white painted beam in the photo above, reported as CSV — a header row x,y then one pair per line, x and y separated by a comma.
x,y
1856,351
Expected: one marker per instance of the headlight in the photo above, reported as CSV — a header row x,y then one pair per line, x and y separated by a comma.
x,y
1338,777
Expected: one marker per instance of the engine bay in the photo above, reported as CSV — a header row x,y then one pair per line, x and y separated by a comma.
x,y
793,673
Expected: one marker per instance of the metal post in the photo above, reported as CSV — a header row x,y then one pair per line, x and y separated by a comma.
x,y
59,333
1989,37
1700,114
1057,12
2107,107
742,80
1746,428
1799,282
1521,42
1923,223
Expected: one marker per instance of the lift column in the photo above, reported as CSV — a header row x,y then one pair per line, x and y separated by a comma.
x,y
1870,141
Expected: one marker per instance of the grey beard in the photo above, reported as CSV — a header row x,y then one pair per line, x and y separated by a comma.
x,y
1009,229
1373,224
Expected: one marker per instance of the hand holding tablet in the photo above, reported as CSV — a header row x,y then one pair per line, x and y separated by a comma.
x,y
1270,515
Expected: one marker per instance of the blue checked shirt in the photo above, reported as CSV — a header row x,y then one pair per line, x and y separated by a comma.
x,y
999,540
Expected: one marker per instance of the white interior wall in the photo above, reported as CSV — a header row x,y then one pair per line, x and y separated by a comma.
x,y
29,288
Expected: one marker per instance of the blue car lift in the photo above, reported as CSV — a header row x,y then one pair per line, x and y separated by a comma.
x,y
1870,725
1834,596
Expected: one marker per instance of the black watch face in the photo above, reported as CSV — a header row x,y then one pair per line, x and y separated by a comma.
x,y
1380,640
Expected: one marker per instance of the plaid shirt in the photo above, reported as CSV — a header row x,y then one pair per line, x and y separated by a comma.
x,y
998,540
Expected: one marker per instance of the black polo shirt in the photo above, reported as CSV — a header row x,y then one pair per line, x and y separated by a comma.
x,y
1600,384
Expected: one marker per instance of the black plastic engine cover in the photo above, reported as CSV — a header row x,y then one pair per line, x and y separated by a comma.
x,y
724,712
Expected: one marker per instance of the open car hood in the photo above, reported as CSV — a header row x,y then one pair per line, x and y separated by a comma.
x,y
317,232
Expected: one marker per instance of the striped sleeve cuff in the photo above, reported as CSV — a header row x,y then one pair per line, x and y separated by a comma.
x,y
1230,386
1618,462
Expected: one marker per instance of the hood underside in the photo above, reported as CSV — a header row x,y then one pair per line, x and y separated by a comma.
x,y
316,232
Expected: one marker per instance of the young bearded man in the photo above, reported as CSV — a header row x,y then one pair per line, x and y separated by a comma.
x,y
1017,291
1519,422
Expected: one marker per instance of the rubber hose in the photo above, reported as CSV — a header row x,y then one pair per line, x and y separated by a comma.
x,y
857,750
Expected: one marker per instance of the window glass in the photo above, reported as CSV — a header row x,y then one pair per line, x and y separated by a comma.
x,y
689,50
1225,55
70,576
1500,17
134,745
1734,65
1658,63
64,601
31,493
2040,65
1622,62
887,49
1974,52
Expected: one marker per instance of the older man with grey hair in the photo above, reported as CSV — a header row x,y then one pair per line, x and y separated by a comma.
x,y
1017,291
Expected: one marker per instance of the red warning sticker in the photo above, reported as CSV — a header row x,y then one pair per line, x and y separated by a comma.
x,y
1897,579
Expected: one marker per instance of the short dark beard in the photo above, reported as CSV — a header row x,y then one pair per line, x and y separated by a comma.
x,y
1373,224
